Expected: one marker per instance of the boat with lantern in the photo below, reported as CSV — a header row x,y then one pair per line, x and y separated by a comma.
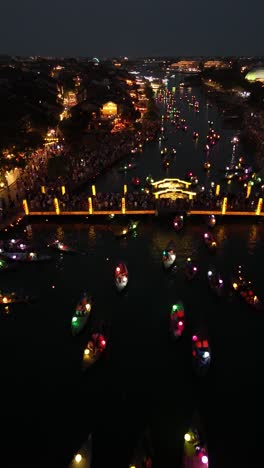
x,y
26,257
62,247
94,349
244,288
211,221
201,354
178,223
169,255
215,281
81,314
195,453
136,181
121,276
14,298
6,265
210,241
177,319
127,167
15,245
190,269
129,229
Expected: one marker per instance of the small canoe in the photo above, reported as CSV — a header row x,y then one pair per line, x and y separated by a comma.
x,y
178,223
215,282
14,298
190,269
211,221
121,276
169,255
6,266
201,355
210,241
61,247
94,349
177,319
81,314
27,257
245,291
131,227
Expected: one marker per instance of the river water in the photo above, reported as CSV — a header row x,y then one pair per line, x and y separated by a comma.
x,y
49,406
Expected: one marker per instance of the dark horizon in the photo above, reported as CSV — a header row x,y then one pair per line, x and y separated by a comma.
x,y
119,29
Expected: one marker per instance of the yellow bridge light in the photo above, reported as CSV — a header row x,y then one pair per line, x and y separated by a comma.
x,y
43,189
125,189
259,207
90,205
56,205
217,190
123,205
224,205
94,190
25,207
63,190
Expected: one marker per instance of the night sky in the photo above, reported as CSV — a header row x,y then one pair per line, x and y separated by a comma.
x,y
131,28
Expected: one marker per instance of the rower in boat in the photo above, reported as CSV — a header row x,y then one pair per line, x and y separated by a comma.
x,y
215,282
211,221
61,247
169,255
210,241
136,181
17,245
94,349
178,223
191,269
177,319
81,314
27,257
121,276
127,167
207,165
201,355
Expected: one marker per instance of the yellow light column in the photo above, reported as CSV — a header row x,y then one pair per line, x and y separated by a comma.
x,y
94,190
224,205
90,205
43,189
56,205
25,207
248,191
259,207
217,190
125,189
63,190
123,205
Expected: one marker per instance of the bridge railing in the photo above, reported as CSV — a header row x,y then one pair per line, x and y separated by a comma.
x,y
139,202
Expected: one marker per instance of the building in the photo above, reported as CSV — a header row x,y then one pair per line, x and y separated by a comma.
x,y
109,110
218,64
256,74
187,66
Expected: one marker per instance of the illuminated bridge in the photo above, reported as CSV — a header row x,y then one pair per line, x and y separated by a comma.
x,y
163,197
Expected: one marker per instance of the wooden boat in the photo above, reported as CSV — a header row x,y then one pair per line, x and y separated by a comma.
x,y
127,167
169,255
16,245
14,298
94,349
177,319
178,223
210,241
81,314
245,291
190,269
195,452
121,276
26,257
215,282
131,227
61,247
201,355
211,221
6,266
